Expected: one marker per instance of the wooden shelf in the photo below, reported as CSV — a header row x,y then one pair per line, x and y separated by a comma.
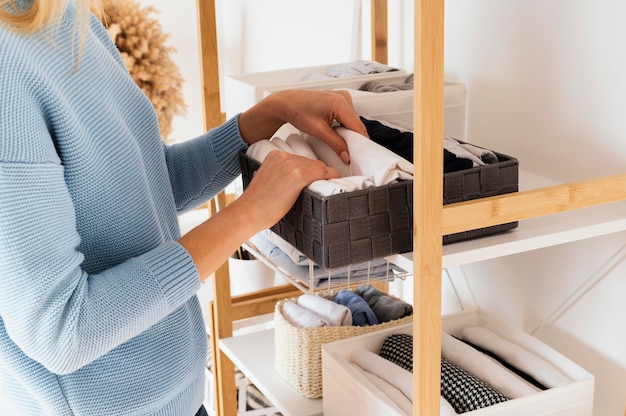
x,y
532,234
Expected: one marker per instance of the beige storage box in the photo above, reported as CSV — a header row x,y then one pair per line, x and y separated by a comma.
x,y
347,392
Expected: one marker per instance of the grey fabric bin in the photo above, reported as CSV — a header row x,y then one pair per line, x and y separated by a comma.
x,y
355,227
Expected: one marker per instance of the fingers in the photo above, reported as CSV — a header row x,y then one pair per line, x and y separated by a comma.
x,y
350,119
276,185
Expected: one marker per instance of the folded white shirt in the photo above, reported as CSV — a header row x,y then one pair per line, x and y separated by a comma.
x,y
517,356
301,317
334,313
485,368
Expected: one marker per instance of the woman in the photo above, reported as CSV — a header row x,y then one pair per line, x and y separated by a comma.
x,y
98,312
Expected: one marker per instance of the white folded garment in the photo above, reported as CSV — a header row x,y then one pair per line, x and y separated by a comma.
x,y
389,390
259,150
385,369
445,408
334,313
367,158
300,146
301,317
485,368
327,187
282,145
517,356
477,155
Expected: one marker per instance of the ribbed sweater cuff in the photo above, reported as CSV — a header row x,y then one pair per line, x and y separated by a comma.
x,y
224,145
174,270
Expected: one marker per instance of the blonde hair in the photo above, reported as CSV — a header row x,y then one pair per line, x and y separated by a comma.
x,y
44,14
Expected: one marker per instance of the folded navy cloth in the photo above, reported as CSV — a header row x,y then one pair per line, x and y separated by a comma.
x,y
362,314
401,143
384,306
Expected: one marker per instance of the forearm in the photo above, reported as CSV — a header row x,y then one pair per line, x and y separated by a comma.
x,y
213,241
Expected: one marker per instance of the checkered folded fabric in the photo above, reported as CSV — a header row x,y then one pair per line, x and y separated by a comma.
x,y
463,390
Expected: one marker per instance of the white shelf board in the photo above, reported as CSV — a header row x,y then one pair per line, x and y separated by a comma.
x,y
253,354
533,233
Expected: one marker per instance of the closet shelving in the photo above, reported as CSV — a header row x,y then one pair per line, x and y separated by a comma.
x,y
549,214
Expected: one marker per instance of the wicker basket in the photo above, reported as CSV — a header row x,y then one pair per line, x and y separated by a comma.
x,y
298,351
356,227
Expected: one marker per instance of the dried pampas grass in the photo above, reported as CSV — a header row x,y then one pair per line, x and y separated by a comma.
x,y
143,45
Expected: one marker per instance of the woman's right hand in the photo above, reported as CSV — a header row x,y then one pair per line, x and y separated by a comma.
x,y
277,184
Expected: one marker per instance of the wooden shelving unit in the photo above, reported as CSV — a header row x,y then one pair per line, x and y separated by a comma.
x,y
596,201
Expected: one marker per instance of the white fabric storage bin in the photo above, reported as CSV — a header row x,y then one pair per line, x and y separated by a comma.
x,y
346,391
397,106
243,91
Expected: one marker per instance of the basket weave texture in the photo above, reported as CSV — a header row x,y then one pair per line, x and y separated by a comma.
x,y
298,351
356,227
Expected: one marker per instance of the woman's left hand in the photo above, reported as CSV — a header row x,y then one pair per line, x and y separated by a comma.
x,y
311,111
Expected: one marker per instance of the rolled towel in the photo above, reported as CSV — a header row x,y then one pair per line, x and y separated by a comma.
x,y
301,317
485,368
385,369
517,356
384,306
362,314
334,313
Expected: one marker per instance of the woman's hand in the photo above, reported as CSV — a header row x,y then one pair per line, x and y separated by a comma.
x,y
277,184
311,111
272,192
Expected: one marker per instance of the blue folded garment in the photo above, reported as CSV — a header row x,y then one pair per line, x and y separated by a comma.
x,y
362,314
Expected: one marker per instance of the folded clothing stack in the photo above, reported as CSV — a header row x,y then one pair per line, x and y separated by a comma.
x,y
364,306
300,267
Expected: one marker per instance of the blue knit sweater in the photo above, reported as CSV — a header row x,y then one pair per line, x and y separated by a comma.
x,y
98,313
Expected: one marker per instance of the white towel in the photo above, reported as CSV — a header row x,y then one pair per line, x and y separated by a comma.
x,y
334,313
301,317
485,368
385,369
517,356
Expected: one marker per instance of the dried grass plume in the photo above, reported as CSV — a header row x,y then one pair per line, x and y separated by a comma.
x,y
143,45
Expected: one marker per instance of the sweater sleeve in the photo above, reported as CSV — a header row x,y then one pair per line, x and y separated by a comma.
x,y
202,167
57,313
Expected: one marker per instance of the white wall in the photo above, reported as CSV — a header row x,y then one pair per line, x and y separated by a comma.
x,y
545,82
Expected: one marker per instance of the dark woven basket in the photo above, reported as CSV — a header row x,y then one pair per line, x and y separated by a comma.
x,y
355,227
